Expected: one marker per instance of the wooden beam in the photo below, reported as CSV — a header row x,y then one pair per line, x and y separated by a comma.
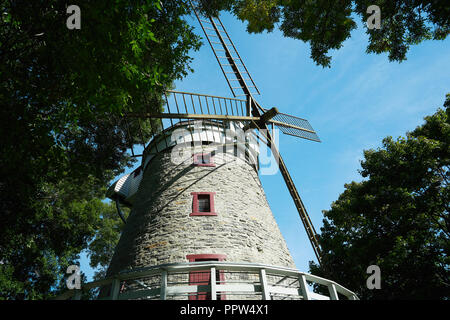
x,y
283,124
213,284
310,230
265,117
203,95
115,289
163,292
77,295
304,286
264,286
192,116
333,292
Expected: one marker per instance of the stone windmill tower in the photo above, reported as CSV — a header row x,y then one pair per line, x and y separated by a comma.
x,y
198,197
199,215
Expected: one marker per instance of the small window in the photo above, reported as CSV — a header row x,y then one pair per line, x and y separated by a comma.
x,y
204,160
203,204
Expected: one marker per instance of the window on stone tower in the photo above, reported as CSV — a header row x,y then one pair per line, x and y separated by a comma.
x,y
204,160
203,204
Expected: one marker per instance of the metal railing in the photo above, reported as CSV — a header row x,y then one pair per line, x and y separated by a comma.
x,y
213,280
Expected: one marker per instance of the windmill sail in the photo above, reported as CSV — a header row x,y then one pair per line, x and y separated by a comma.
x,y
295,126
238,78
309,227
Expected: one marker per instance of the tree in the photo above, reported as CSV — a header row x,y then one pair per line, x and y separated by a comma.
x,y
62,135
101,249
397,218
325,25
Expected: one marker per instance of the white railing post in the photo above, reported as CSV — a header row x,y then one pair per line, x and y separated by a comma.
x,y
264,286
333,292
213,284
163,293
115,289
304,286
77,295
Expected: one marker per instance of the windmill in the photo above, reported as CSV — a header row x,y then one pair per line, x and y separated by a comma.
x,y
200,226
207,206
252,115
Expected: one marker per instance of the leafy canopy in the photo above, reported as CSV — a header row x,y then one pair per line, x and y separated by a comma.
x,y
62,135
325,24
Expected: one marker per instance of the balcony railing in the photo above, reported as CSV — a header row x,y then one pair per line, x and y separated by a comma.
x,y
213,280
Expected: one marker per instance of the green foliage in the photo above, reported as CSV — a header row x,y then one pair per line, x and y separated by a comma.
x,y
101,249
62,134
397,218
325,25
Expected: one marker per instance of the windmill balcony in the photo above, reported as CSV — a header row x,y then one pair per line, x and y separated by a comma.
x,y
213,281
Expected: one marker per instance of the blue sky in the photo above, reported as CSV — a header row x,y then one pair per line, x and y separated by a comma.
x,y
353,105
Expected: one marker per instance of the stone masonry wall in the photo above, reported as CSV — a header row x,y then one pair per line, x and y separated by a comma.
x,y
160,229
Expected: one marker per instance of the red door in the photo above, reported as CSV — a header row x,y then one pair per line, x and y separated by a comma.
x,y
203,277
